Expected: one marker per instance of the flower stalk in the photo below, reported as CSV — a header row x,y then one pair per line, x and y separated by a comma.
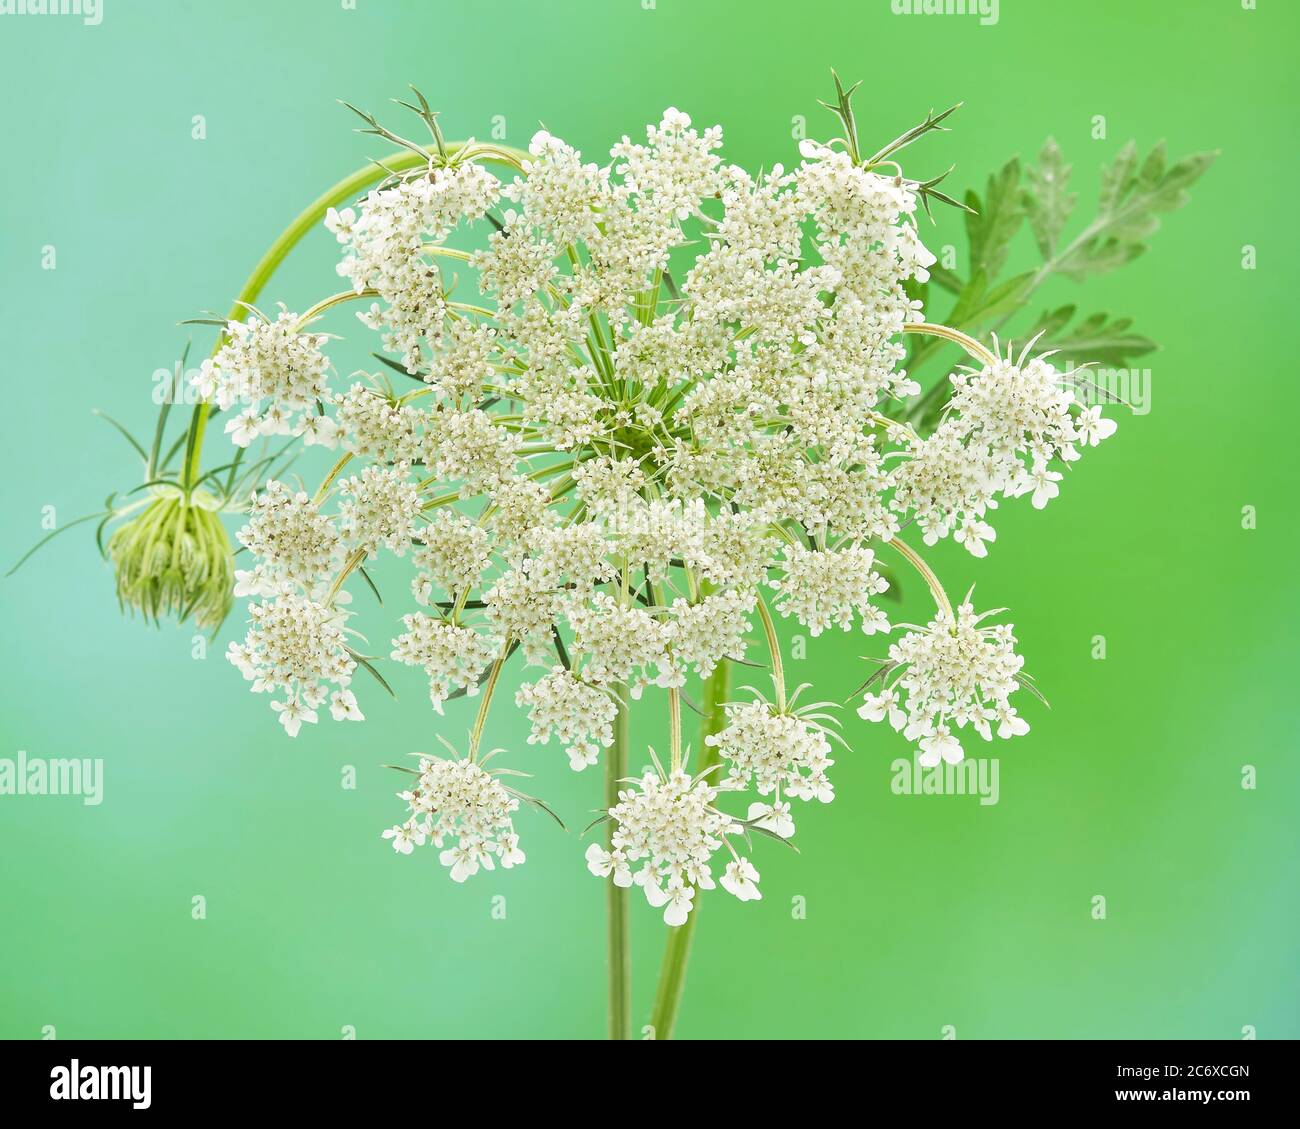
x,y
677,947
618,924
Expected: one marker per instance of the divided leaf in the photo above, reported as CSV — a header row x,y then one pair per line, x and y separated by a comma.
x,y
1098,338
1132,198
1048,199
977,305
999,217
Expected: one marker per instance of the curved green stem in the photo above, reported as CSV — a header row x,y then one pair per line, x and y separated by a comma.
x,y
334,300
774,647
335,471
918,562
672,971
346,189
476,736
618,938
973,347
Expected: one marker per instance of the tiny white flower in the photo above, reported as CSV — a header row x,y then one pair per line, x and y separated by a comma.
x,y
1011,724
1044,486
244,428
343,706
510,855
275,420
876,707
741,880
773,817
319,430
463,861
1093,427
582,756
292,715
698,874
678,900
649,882
972,534
599,861
340,223
406,837
940,746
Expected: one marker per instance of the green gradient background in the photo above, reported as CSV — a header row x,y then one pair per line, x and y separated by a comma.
x,y
921,911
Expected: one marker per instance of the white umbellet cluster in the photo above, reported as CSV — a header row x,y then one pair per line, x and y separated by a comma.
x,y
379,509
579,714
821,588
774,751
298,646
465,811
294,544
952,673
1004,428
453,657
677,394
277,372
670,827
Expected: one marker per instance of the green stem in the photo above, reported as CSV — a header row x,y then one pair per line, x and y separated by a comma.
x,y
918,562
976,350
476,736
672,972
616,900
774,648
345,190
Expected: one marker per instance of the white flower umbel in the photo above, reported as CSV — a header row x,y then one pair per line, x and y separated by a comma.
x,y
579,714
465,812
1005,427
712,629
276,372
453,555
296,646
949,674
387,244
621,644
666,832
454,657
373,424
785,752
294,543
678,389
824,587
379,509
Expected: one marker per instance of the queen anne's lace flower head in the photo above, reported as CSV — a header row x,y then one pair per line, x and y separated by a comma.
x,y
294,543
823,587
678,390
712,629
373,425
379,509
386,249
454,657
453,554
621,644
1005,426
